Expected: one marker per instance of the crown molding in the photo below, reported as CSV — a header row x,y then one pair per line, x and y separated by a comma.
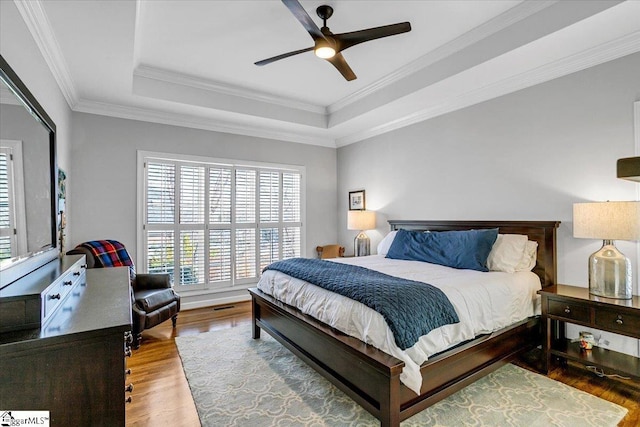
x,y
166,76
588,58
195,122
35,18
500,22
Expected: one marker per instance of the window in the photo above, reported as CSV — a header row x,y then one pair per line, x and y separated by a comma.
x,y
13,233
214,224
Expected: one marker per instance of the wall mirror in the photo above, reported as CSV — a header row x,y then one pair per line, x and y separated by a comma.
x,y
28,180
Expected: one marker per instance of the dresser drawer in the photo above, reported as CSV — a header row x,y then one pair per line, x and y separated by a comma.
x,y
51,297
30,301
57,293
615,321
64,312
569,311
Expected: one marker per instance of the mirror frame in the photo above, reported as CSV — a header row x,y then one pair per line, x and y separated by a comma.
x,y
14,268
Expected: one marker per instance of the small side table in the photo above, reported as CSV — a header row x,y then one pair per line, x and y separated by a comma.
x,y
562,304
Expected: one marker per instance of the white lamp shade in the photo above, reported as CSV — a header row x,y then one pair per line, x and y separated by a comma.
x,y
607,220
361,220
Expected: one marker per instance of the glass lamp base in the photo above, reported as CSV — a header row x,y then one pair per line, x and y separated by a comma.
x,y
362,245
610,273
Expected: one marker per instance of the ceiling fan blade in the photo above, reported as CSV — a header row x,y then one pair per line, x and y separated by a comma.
x,y
346,40
301,15
340,63
284,55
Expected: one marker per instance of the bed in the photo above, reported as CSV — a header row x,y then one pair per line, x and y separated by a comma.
x,y
370,376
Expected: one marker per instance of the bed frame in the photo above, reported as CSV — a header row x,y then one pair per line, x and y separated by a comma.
x,y
372,377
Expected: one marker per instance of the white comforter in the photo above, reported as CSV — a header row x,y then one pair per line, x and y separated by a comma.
x,y
485,302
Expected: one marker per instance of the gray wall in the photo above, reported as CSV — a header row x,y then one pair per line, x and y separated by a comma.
x,y
16,123
528,155
23,55
19,49
102,199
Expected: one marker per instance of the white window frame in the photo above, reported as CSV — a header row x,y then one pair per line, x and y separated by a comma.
x,y
17,210
141,227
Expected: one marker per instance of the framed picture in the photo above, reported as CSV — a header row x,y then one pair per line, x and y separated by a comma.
x,y
356,200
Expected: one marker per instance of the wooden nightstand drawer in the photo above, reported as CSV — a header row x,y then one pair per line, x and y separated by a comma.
x,y
568,310
616,321
563,304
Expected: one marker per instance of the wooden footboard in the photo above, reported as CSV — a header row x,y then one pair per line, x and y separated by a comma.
x,y
367,375
371,377
455,369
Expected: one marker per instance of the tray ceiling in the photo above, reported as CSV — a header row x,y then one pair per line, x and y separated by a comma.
x,y
190,63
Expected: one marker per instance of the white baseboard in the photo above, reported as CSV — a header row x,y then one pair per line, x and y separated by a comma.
x,y
185,304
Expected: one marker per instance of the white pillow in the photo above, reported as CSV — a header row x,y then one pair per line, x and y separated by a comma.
x,y
530,256
385,244
507,252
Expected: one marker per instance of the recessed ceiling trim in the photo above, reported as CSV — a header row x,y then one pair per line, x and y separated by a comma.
x,y
588,58
167,76
500,22
191,121
35,18
38,24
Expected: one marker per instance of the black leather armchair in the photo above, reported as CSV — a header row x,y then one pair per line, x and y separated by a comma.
x,y
153,300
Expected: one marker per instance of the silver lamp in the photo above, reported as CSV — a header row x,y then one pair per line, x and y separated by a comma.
x,y
361,220
609,269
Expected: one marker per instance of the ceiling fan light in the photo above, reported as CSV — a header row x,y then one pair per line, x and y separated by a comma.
x,y
325,52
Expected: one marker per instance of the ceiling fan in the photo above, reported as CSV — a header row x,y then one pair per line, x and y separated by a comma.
x,y
328,45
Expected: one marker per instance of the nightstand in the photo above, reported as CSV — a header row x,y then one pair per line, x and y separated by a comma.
x,y
570,304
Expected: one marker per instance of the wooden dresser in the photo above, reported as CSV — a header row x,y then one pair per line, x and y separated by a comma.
x,y
74,364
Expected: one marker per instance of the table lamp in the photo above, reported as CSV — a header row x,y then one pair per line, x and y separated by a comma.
x,y
609,269
361,220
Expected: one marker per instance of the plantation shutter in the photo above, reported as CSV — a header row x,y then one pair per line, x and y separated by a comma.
x,y
291,216
218,225
161,180
7,228
160,217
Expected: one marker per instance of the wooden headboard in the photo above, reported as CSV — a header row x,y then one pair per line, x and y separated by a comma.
x,y
543,232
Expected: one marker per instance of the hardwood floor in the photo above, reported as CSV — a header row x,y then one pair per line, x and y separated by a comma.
x,y
161,394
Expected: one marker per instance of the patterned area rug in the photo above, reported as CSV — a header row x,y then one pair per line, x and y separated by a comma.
x,y
238,381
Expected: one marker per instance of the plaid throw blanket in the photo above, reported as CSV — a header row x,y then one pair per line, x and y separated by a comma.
x,y
110,253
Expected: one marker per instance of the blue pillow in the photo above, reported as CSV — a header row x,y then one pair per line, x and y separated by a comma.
x,y
457,249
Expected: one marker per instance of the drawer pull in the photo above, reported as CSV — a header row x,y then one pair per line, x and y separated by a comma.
x,y
83,266
76,273
127,352
129,388
67,283
127,400
619,320
127,371
54,296
567,310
